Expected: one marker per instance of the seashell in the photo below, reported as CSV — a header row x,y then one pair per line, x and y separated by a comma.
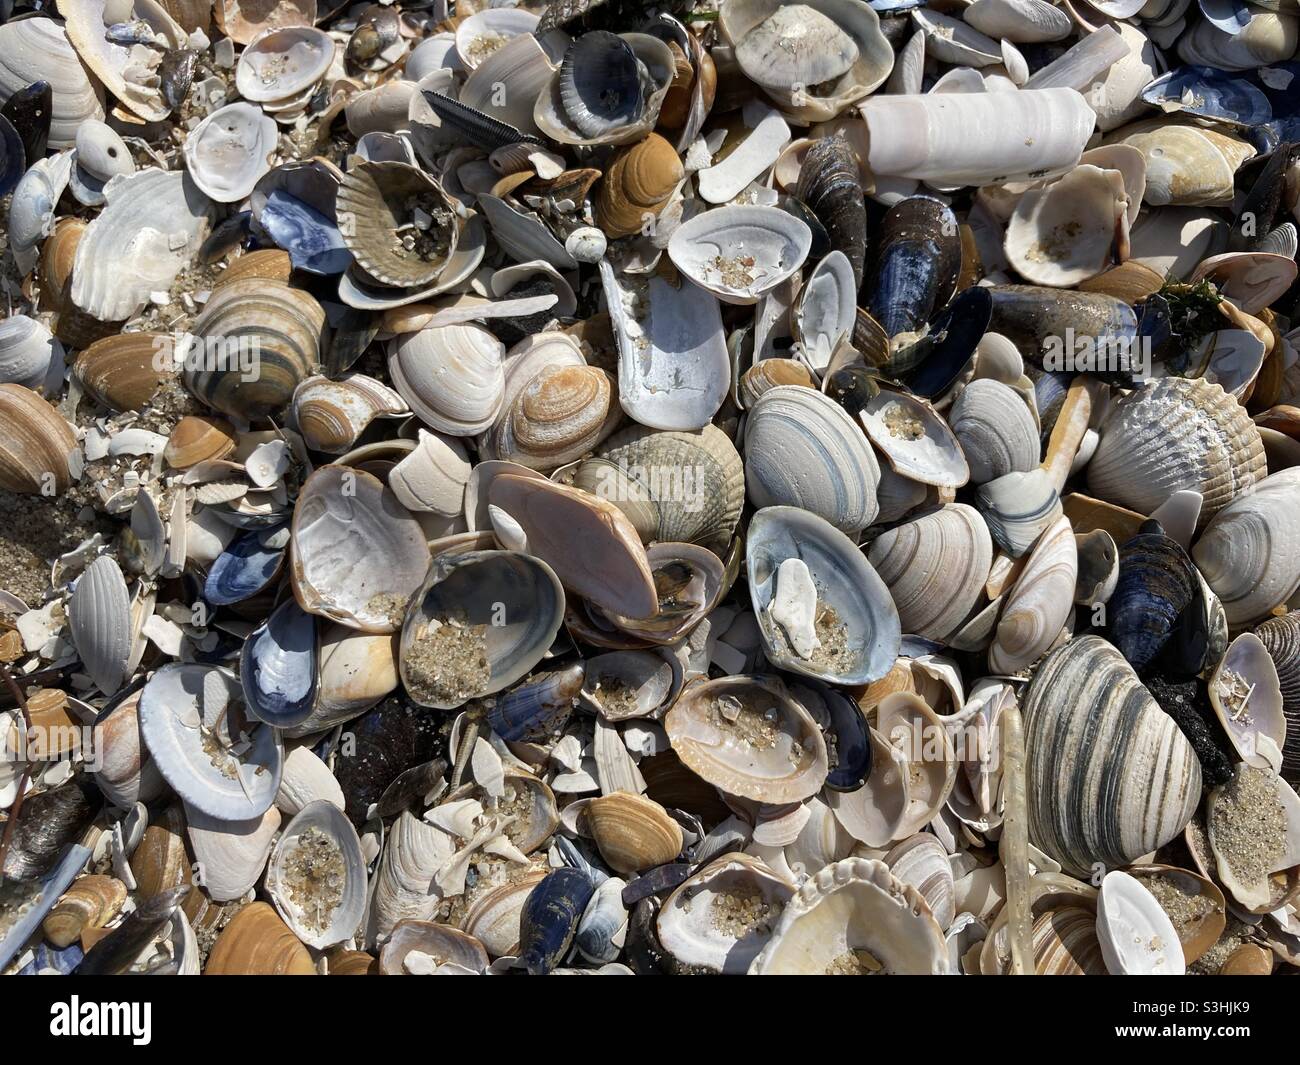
x,y
921,862
332,415
850,598
28,111
916,441
317,876
1066,233
721,917
432,478
854,917
803,450
268,335
37,49
306,779
377,201
910,731
1156,584
635,470
92,902
1247,867
967,139
119,66
1154,443
1249,959
830,184
118,952
738,253
55,819
602,932
767,374
358,555
749,158
550,918
689,582
1266,37
150,228
1137,937
1252,279
29,355
1279,635
357,669
479,623
632,832
32,207
268,262
190,719
126,773
1098,710
996,430
243,569
493,917
229,151
787,48
1245,553
277,667
430,949
589,543
1186,165
826,311
627,684
413,853
934,566
124,372
1065,943
1246,694
1197,933
282,62
257,943
99,618
37,444
1020,21
747,736
637,185
451,376
230,855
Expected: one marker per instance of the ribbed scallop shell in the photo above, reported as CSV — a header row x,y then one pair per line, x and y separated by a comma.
x,y
637,184
637,469
1039,603
803,450
1249,554
99,616
451,376
278,326
1110,775
123,372
1281,637
35,443
1176,434
996,430
935,567
37,49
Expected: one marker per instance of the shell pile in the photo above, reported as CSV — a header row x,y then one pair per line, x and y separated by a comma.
x,y
717,486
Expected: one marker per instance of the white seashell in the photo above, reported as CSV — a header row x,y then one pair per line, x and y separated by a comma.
x,y
1117,95
451,376
826,310
996,429
37,49
128,71
1247,699
230,150
1179,516
602,931
101,153
747,162
740,252
432,478
1065,233
283,62
30,355
915,440
331,415
230,855
921,862
32,206
317,876
483,33
802,449
1136,935
1020,21
357,669
794,606
1186,165
1039,602
950,40
507,83
910,726
100,622
413,853
306,779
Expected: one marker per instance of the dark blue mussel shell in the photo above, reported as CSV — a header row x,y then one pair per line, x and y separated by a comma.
x,y
538,707
277,667
1210,93
242,570
830,184
29,110
13,157
948,345
550,918
848,743
1156,584
313,242
916,272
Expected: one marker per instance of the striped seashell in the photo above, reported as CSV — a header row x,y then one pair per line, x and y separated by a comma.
x,y
1039,603
331,415
1281,638
123,372
922,862
258,339
29,354
36,443
452,377
92,902
1176,434
645,474
1110,776
996,430
257,943
632,832
637,185
196,438
771,373
1065,943
37,49
935,567
432,478
1249,554
802,449
99,616
266,263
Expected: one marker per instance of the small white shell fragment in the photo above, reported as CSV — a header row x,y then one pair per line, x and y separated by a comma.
x,y
794,606
1137,937
757,152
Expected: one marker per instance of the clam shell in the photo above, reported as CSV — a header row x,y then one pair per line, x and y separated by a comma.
x,y
126,773
1186,165
1039,603
452,377
748,737
602,932
189,718
230,855
229,151
1064,234
1246,553
921,862
413,852
283,61
257,943
99,617
996,430
90,903
433,477
1065,943
1176,434
826,311
331,415
803,450
1021,21
32,208
1281,638
1110,776
257,340
277,667
632,832
513,601
935,566
37,49
854,917
306,779
357,553
637,185
123,372
1197,934
149,230
741,252
357,669
851,596
36,444
493,916
916,441
119,67
317,876
29,354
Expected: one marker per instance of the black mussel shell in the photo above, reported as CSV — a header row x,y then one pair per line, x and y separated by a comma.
x,y
47,822
852,388
1259,210
176,74
848,743
29,110
537,708
644,953
393,737
916,271
13,157
1156,584
550,918
948,346
821,240
413,784
657,881
830,184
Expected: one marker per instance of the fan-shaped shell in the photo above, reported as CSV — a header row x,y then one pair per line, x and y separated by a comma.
x,y
1039,602
99,616
749,737
452,377
1065,233
1281,638
996,430
123,372
1176,434
229,151
36,443
935,567
37,49
1110,776
257,943
802,449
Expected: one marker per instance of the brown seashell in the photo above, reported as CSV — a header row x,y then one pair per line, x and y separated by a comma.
x,y
1065,943
1087,515
1199,934
242,20
190,15
35,444
91,902
351,963
268,263
160,863
57,256
772,373
197,438
123,372
1131,281
257,943
640,180
1249,959
55,732
633,832
677,102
